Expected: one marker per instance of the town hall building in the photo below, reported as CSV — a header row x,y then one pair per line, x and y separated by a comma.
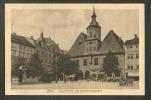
x,y
89,50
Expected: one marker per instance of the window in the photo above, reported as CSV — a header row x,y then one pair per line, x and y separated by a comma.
x,y
90,42
131,56
136,46
131,46
90,34
137,66
128,67
127,47
131,67
85,62
95,61
137,56
80,42
94,36
128,57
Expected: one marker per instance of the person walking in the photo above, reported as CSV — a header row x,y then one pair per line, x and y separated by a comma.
x,y
20,75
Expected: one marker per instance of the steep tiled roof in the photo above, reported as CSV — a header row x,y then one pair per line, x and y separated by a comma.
x,y
112,42
132,41
52,45
78,47
20,40
32,41
94,23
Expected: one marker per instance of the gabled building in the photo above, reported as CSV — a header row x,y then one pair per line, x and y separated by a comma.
x,y
78,47
21,48
89,50
48,51
24,47
132,57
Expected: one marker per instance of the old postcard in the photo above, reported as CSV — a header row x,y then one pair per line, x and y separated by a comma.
x,y
74,49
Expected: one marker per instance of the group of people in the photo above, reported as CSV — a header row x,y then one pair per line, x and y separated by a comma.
x,y
102,76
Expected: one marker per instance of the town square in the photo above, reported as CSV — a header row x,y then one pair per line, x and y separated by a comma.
x,y
75,48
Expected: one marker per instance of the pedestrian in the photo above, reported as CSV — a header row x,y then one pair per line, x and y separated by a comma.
x,y
20,75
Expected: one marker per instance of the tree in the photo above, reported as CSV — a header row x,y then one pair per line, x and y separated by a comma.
x,y
62,63
110,63
68,66
35,68
17,61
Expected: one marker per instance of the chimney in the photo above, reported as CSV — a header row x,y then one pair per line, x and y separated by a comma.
x,y
42,35
14,33
111,30
31,37
136,36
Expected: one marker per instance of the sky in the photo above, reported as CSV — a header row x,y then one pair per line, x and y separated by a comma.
x,y
64,25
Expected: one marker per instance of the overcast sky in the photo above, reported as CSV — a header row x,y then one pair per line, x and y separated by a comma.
x,y
64,26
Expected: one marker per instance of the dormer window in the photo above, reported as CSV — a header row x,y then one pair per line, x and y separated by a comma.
x,y
131,46
90,34
127,47
80,42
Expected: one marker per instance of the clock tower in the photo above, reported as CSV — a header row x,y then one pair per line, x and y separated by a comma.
x,y
93,36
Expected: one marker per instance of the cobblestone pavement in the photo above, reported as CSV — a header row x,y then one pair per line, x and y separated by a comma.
x,y
81,84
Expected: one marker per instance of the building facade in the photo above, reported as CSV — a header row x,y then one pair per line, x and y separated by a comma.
x,y
132,57
89,50
22,48
48,51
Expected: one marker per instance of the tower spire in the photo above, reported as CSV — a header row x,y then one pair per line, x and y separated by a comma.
x,y
94,15
41,32
93,9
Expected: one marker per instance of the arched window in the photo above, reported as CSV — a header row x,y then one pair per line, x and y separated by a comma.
x,y
90,35
95,61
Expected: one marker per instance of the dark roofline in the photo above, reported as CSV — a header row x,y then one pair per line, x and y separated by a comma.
x,y
135,40
77,39
94,39
21,40
93,26
119,40
99,54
